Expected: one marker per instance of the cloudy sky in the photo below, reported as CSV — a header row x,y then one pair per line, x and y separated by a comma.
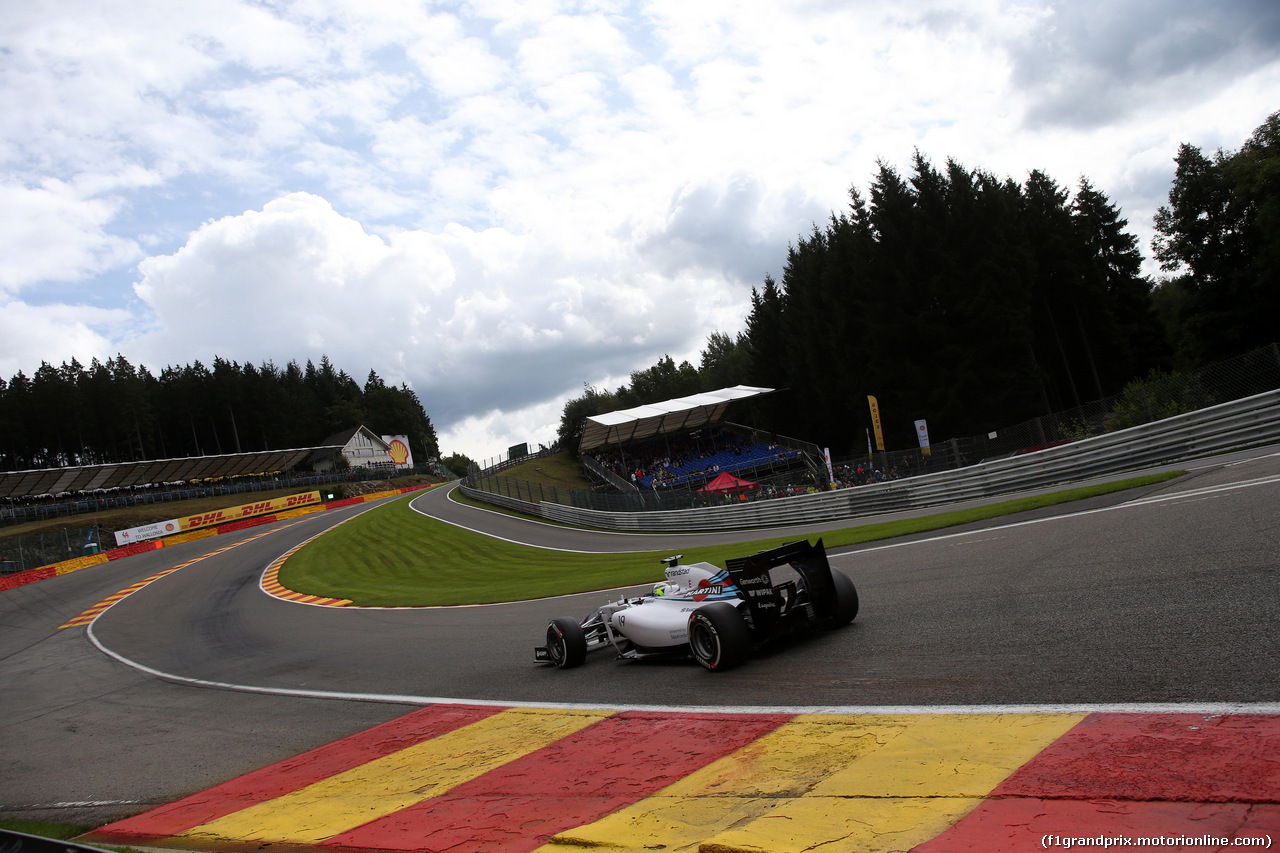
x,y
500,201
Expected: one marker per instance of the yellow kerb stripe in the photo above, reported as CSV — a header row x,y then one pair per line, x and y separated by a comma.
x,y
834,783
397,781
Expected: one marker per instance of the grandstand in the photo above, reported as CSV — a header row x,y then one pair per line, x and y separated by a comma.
x,y
681,444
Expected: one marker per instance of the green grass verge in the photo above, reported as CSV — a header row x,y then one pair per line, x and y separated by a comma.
x,y
391,556
56,831
560,470
59,831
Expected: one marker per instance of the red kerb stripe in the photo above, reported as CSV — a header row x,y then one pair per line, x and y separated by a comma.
x,y
295,773
574,781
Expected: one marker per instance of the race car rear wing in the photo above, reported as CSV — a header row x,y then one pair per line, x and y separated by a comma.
x,y
771,604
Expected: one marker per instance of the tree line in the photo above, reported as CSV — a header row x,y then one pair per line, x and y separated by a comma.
x,y
976,302
112,411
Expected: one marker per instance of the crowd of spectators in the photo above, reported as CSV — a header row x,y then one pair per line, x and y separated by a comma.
x,y
696,458
690,459
847,477
857,474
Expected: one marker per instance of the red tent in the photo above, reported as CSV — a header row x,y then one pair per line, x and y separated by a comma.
x,y
726,482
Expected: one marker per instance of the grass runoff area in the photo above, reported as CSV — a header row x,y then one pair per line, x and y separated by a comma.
x,y
392,556
55,832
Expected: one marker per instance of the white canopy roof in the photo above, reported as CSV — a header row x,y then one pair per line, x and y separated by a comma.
x,y
658,418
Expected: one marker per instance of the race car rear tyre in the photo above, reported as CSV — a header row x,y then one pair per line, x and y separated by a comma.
x,y
846,599
566,643
718,636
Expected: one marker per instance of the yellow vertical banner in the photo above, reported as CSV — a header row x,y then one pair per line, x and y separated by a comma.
x,y
875,421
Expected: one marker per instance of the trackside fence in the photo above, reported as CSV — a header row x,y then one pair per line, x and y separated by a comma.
x,y
21,552
18,553
1253,420
46,507
493,486
1157,398
1152,398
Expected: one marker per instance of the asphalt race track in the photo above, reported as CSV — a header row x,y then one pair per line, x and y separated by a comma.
x,y
1164,595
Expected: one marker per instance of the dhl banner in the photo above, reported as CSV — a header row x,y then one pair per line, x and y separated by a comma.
x,y
210,519
236,513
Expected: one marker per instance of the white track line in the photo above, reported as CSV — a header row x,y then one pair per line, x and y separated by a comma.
x,y
489,535
1134,504
1205,708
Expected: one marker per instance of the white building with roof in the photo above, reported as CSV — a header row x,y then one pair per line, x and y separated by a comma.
x,y
360,447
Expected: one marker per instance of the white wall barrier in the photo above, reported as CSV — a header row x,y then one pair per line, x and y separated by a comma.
x,y
1249,421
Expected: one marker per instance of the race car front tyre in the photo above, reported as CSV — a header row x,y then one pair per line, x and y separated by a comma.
x,y
718,636
566,643
846,599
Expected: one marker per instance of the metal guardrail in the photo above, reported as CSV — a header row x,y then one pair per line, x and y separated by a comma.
x,y
509,462
1248,421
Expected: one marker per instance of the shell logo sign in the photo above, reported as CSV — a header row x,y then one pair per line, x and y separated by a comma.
x,y
399,448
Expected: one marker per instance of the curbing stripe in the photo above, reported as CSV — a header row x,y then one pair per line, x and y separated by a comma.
x,y
1031,823
294,774
1177,757
597,770
504,779
102,606
386,785
823,779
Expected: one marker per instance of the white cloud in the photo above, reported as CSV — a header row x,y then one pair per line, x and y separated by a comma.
x,y
56,334
498,201
466,317
455,65
1090,63
52,233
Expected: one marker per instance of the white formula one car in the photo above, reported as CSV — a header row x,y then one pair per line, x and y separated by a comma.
x,y
716,615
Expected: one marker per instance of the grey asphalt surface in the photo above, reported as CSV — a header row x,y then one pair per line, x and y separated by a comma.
x,y
1167,594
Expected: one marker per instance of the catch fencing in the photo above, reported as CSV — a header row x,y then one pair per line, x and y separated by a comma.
x,y
19,553
1166,418
622,496
1253,421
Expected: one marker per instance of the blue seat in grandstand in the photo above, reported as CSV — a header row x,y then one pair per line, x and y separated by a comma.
x,y
708,465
